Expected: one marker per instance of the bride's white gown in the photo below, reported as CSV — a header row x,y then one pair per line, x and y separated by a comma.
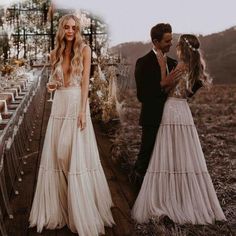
x,y
177,183
71,187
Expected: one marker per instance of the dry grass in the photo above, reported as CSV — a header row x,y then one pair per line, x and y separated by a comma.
x,y
214,114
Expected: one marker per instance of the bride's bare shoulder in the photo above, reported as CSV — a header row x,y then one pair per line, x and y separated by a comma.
x,y
86,51
85,48
52,55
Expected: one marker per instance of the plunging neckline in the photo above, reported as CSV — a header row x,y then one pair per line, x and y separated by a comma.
x,y
71,80
63,77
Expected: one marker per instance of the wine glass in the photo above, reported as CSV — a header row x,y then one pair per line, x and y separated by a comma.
x,y
51,87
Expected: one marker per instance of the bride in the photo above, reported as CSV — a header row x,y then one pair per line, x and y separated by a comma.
x,y
177,183
71,189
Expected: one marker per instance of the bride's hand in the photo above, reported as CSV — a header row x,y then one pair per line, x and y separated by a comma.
x,y
175,74
81,122
161,58
172,78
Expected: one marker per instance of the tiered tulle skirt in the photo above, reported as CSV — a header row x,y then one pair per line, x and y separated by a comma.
x,y
71,187
177,183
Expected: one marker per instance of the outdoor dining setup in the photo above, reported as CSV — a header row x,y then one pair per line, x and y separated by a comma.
x,y
20,96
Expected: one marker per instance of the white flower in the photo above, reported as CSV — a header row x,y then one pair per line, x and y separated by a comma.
x,y
99,93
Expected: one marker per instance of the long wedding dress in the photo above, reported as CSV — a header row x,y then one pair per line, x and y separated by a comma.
x,y
177,183
71,188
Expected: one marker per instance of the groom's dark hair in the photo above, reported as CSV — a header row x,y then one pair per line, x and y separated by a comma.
x,y
159,30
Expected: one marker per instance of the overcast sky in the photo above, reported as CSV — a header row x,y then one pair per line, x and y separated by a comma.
x,y
131,20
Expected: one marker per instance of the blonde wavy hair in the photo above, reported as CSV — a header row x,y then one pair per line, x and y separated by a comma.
x,y
76,54
190,54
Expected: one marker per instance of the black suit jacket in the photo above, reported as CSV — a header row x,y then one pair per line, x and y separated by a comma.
x,y
149,92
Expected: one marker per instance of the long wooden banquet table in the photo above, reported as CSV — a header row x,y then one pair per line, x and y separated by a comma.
x,y
18,100
15,96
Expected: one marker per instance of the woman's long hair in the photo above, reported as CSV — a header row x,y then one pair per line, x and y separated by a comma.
x,y
76,57
190,54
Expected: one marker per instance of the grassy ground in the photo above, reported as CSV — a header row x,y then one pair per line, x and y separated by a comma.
x,y
214,114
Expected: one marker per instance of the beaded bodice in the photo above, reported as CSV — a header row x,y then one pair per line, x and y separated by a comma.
x,y
182,88
74,80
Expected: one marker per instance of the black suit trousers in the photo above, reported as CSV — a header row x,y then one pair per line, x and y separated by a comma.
x,y
149,134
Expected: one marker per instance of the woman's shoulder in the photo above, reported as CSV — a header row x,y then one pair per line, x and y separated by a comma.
x,y
85,46
52,55
85,49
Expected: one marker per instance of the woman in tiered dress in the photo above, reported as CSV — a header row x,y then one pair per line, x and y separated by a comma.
x,y
71,189
177,183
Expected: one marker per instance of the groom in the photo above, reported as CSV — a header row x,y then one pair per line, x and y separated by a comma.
x,y
151,92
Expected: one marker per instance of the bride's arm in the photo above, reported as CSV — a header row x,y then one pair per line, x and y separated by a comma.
x,y
86,53
162,63
167,81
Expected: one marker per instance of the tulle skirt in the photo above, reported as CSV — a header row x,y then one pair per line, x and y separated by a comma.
x,y
177,183
71,187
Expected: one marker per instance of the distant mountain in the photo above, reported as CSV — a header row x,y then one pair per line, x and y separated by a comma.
x,y
219,51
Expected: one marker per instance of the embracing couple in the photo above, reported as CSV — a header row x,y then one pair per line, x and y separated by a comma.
x,y
171,168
